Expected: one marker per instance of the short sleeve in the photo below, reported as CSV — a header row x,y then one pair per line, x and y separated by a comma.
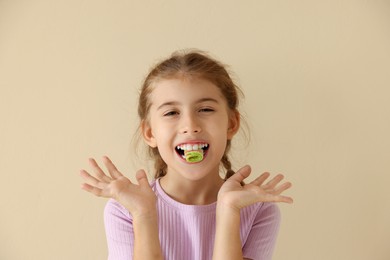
x,y
119,231
262,236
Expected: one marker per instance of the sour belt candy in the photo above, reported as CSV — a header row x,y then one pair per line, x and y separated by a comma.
x,y
194,156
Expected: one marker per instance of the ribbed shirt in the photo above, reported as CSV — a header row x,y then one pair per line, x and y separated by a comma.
x,y
187,232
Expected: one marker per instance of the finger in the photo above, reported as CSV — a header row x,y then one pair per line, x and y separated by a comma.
x,y
241,174
261,179
142,178
284,199
98,171
111,168
92,181
94,190
281,188
268,197
272,183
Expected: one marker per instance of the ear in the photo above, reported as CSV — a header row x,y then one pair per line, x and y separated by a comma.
x,y
234,124
148,134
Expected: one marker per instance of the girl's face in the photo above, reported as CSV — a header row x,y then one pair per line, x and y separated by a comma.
x,y
189,114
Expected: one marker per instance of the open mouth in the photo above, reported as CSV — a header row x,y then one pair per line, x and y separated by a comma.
x,y
192,152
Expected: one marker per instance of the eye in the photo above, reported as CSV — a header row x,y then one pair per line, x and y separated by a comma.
x,y
206,110
171,113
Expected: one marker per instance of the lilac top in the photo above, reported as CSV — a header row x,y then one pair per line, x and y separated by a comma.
x,y
188,231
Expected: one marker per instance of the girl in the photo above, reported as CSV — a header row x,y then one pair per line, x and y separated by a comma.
x,y
188,117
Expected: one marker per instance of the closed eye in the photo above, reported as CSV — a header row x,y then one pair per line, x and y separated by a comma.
x,y
171,113
206,110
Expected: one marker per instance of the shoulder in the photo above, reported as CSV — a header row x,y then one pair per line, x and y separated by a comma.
x,y
269,210
114,209
260,217
262,210
268,214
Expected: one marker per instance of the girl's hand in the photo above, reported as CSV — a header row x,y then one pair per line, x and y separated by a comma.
x,y
236,196
139,200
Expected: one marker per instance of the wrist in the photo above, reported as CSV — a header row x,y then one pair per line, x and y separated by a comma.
x,y
147,216
223,206
226,211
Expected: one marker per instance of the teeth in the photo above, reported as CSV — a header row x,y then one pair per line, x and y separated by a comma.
x,y
189,147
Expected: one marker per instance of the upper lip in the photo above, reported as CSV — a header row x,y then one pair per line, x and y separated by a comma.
x,y
192,142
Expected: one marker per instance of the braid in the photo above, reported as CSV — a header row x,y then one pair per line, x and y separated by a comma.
x,y
228,166
159,165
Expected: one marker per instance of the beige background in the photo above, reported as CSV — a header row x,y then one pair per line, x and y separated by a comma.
x,y
317,85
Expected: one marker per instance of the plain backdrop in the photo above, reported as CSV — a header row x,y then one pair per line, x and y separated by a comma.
x,y
316,78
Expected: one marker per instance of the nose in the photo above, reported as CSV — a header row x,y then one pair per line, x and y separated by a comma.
x,y
190,125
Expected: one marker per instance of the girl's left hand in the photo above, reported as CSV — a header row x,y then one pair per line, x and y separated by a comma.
x,y
236,196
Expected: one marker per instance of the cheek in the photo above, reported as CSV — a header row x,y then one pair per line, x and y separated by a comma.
x,y
220,135
221,126
163,135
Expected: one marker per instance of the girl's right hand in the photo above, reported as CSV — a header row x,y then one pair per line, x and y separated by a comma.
x,y
139,200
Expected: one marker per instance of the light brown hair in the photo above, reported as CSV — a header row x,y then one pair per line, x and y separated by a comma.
x,y
194,64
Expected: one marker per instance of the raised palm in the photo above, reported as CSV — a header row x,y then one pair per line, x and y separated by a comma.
x,y
236,195
139,198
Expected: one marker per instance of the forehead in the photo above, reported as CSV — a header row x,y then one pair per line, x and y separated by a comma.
x,y
185,90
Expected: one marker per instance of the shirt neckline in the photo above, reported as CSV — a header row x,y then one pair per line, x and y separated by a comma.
x,y
166,199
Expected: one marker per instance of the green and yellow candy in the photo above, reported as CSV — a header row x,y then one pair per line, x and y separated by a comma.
x,y
194,156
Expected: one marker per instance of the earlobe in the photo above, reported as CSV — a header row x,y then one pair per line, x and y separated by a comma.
x,y
148,134
234,124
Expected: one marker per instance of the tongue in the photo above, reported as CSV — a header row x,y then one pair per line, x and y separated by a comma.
x,y
194,156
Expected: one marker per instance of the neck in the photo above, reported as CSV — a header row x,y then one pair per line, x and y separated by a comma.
x,y
192,192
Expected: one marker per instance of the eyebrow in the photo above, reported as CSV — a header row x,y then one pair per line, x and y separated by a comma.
x,y
172,103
